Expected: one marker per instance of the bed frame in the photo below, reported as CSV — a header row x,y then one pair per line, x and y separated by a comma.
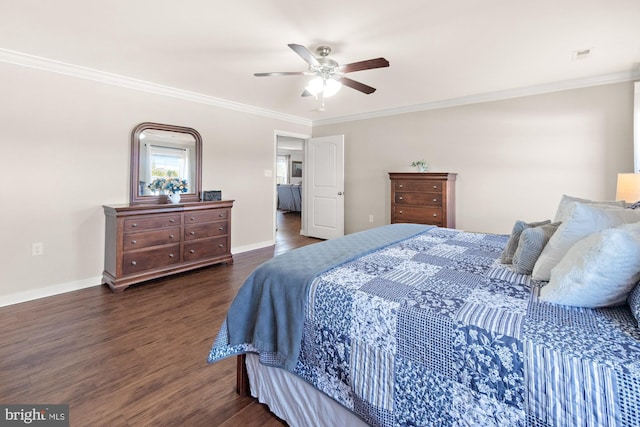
x,y
242,378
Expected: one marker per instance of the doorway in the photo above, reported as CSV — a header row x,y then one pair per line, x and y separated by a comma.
x,y
313,186
288,179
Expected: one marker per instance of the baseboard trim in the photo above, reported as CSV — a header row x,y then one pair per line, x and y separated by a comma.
x,y
252,247
48,291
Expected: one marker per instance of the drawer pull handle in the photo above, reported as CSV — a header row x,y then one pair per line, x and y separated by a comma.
x,y
171,236
172,220
170,255
435,215
435,186
221,228
221,215
134,225
192,251
401,212
192,233
133,263
400,186
400,198
192,219
133,242
435,200
221,245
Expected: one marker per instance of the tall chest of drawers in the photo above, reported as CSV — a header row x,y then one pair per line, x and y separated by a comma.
x,y
423,198
144,242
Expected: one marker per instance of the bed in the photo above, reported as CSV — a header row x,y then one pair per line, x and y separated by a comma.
x,y
289,197
412,325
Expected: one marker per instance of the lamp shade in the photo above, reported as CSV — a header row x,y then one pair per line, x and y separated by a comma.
x,y
628,188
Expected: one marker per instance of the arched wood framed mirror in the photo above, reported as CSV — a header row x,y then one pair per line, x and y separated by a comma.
x,y
159,150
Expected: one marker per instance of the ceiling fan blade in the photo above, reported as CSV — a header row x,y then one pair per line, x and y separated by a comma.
x,y
364,65
281,73
305,54
356,85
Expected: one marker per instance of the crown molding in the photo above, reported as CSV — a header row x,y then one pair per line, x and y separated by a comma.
x,y
45,64
489,96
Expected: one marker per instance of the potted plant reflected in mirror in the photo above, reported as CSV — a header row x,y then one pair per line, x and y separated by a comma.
x,y
421,165
172,187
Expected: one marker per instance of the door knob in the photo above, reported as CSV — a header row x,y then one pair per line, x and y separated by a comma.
x,y
339,193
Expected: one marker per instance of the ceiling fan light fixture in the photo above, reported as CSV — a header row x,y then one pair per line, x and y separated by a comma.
x,y
326,87
331,87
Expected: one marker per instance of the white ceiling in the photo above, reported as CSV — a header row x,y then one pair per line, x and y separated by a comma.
x,y
439,50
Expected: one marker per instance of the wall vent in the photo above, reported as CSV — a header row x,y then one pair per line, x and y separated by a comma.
x,y
581,54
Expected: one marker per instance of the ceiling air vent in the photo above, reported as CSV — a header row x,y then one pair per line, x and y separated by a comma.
x,y
581,54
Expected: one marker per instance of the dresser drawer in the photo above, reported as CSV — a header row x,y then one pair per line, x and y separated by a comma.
x,y
151,238
431,216
421,199
134,262
210,229
206,216
205,248
151,222
423,186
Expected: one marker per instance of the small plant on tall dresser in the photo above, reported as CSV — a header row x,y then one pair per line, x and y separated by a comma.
x,y
420,164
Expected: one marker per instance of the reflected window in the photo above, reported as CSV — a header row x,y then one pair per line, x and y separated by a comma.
x,y
168,162
282,169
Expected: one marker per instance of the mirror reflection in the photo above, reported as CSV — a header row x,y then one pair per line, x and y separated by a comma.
x,y
165,159
166,154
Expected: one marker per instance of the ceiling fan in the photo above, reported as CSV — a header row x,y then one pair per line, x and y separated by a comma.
x,y
329,75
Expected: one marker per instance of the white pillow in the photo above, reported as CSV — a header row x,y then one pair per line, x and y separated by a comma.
x,y
578,224
566,204
598,271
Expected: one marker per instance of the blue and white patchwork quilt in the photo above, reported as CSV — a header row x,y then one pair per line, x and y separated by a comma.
x,y
434,331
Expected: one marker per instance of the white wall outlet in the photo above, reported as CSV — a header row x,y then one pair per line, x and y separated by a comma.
x,y
370,218
37,249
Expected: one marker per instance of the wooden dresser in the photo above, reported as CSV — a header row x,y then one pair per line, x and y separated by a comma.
x,y
144,242
423,198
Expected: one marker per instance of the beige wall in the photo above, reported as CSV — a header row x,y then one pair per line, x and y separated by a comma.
x,y
66,145
514,158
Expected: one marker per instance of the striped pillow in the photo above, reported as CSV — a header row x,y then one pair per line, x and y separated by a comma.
x,y
634,303
512,243
532,242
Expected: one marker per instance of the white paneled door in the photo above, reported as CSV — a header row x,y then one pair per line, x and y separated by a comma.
x,y
324,186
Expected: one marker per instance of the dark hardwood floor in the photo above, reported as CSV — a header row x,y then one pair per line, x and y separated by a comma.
x,y
137,358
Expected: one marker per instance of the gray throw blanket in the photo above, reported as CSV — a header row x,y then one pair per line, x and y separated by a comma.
x,y
268,311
